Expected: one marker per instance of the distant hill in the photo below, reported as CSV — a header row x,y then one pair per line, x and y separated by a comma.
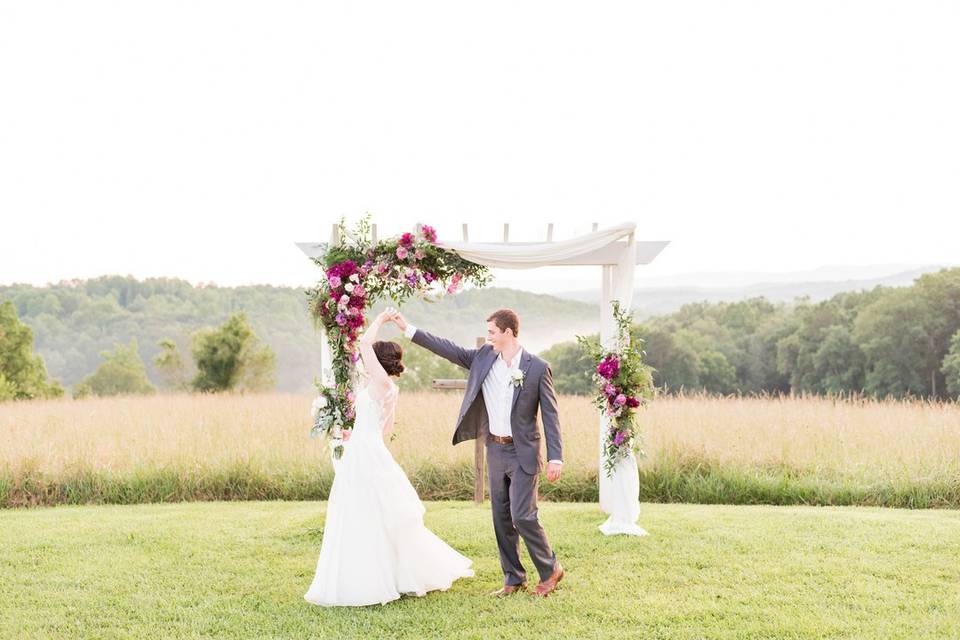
x,y
74,321
654,301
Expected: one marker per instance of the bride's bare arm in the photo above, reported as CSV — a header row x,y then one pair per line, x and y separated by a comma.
x,y
378,376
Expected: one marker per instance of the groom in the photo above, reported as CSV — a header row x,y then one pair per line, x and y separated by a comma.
x,y
505,388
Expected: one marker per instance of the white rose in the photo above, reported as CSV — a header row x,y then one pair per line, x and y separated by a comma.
x,y
348,287
344,299
355,278
319,403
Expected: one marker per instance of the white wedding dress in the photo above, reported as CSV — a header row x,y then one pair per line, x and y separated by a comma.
x,y
375,546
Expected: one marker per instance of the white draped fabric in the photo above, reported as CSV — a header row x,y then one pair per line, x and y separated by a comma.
x,y
537,254
619,494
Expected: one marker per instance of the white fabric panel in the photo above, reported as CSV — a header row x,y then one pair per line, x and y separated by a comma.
x,y
537,254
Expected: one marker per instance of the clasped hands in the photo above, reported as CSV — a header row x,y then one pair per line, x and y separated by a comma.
x,y
390,314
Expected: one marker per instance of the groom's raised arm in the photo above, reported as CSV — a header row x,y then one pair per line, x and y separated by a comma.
x,y
441,346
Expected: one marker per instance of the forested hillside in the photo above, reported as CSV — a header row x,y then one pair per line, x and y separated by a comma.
x,y
74,321
896,341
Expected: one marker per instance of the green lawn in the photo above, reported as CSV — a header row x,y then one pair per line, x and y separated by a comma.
x,y
239,570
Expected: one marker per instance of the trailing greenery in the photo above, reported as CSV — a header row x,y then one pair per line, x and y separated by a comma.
x,y
239,570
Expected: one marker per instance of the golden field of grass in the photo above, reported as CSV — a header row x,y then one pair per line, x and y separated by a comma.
x,y
905,445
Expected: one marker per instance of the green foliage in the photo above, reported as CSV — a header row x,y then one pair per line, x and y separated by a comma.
x,y
572,368
74,321
170,365
122,372
951,367
23,375
230,357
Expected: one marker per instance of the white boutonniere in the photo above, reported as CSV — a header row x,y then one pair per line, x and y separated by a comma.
x,y
516,377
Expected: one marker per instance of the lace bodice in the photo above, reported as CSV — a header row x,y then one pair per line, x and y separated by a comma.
x,y
371,412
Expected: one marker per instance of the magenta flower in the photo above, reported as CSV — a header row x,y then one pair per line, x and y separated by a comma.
x,y
341,319
619,438
609,367
406,240
429,233
610,390
334,282
620,400
633,402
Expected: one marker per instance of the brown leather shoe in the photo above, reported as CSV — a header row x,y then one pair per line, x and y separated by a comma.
x,y
546,587
509,589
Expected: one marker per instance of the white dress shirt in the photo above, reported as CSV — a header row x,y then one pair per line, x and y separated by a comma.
x,y
497,391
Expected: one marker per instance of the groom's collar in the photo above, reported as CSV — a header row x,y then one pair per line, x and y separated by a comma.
x,y
517,357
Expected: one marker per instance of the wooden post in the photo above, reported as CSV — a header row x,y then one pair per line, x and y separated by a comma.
x,y
479,444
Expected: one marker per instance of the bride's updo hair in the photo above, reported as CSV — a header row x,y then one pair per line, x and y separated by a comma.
x,y
390,355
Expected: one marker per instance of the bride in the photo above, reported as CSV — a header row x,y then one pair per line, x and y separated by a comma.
x,y
375,546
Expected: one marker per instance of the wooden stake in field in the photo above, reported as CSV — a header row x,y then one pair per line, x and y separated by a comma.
x,y
478,444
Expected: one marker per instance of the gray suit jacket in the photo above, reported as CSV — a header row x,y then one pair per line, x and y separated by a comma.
x,y
535,393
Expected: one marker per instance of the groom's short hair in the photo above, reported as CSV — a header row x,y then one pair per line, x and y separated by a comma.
x,y
506,319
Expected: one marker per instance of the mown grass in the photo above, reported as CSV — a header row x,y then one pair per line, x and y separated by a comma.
x,y
239,570
811,450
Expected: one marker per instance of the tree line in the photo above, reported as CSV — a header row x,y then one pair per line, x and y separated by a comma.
x,y
886,342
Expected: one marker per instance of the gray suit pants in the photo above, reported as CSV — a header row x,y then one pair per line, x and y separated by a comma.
x,y
513,496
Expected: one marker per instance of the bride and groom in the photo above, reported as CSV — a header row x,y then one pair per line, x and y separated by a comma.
x,y
375,546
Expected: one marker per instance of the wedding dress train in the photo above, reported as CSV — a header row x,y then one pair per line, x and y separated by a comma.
x,y
375,546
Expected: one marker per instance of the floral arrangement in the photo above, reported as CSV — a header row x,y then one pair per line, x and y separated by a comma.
x,y
624,384
357,273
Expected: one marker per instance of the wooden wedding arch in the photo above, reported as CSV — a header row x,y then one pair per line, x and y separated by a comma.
x,y
615,249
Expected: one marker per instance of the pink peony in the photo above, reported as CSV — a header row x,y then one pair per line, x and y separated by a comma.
x,y
610,390
418,254
620,400
609,367
401,252
454,283
334,282
429,233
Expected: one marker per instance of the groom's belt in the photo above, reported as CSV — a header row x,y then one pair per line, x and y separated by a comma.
x,y
499,439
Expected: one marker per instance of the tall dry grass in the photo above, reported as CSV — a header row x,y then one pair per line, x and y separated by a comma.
x,y
702,448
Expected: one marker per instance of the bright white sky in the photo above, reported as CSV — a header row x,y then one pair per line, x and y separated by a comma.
x,y
201,139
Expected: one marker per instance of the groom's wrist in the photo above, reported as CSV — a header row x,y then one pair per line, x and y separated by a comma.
x,y
409,331
555,461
